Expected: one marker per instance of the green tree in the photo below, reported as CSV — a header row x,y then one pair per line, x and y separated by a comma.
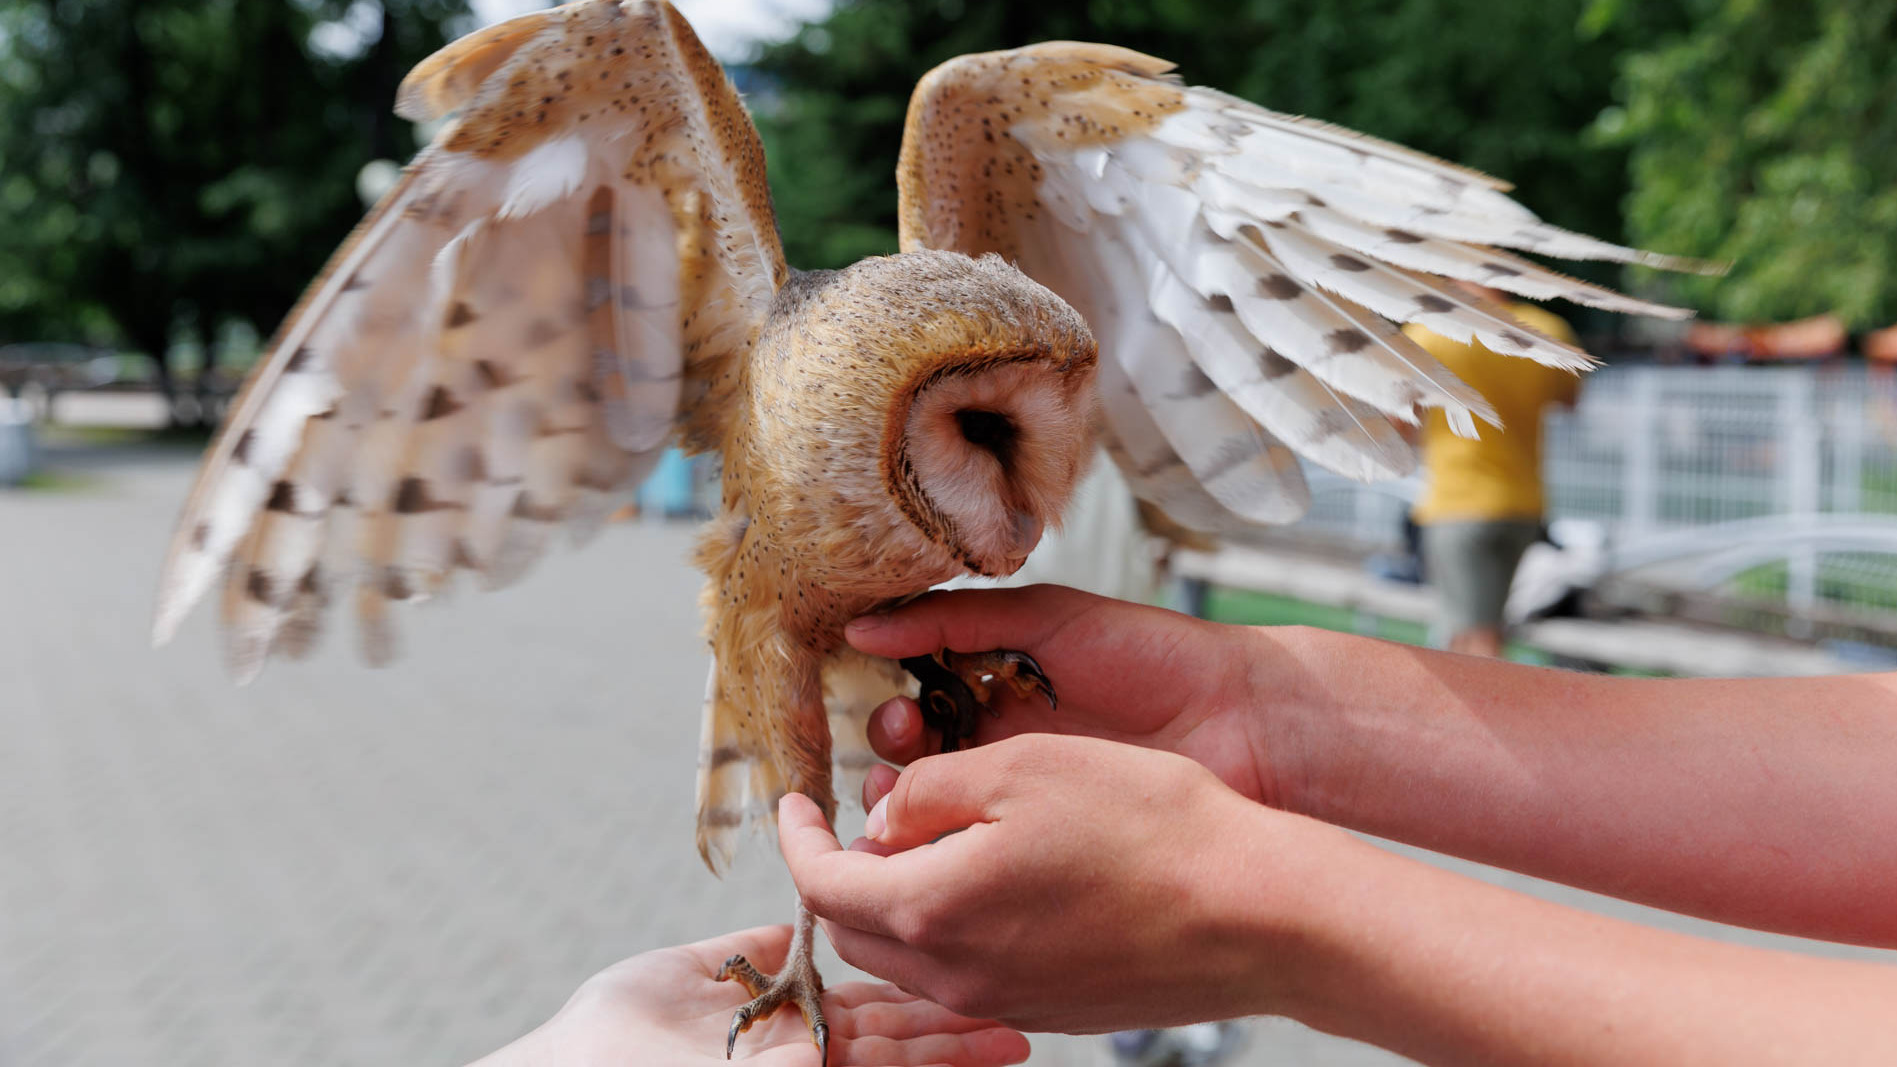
x,y
1768,136
1504,86
171,167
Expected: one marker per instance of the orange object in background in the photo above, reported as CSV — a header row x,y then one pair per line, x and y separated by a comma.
x,y
1881,345
1813,338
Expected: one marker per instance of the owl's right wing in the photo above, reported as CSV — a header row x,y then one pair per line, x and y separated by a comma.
x,y
1241,269
571,271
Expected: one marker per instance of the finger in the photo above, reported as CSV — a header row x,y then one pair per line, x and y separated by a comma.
x,y
935,796
884,957
864,844
856,995
851,888
992,1047
876,782
897,733
968,619
864,1009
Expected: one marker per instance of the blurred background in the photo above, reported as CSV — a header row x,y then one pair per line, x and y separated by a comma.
x,y
414,865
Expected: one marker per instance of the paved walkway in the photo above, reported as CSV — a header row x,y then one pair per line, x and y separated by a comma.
x,y
346,866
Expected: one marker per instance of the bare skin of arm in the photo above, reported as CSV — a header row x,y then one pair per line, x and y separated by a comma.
x,y
1097,886
1094,886
1770,803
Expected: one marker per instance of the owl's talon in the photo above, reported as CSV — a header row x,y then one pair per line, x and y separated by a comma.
x,y
955,687
1026,678
738,969
797,984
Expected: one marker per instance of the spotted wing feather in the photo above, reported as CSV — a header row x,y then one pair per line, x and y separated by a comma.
x,y
563,279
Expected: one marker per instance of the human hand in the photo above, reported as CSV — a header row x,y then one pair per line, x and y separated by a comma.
x,y
666,1007
1124,672
1092,886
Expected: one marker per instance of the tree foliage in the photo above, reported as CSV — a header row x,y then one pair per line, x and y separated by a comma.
x,y
169,167
1768,136
172,166
1500,85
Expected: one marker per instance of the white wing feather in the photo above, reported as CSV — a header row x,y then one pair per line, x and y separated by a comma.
x,y
1274,253
1181,442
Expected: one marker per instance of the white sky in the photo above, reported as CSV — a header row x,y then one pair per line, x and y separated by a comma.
x,y
730,28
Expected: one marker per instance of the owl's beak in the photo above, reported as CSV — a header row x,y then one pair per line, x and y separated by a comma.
x,y
1024,532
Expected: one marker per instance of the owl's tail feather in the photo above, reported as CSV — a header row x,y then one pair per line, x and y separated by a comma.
x,y
738,785
854,685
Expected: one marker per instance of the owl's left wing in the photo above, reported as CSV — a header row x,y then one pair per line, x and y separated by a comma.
x,y
1240,268
565,277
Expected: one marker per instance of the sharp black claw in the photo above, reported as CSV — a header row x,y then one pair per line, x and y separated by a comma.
x,y
940,704
731,1039
1038,677
950,683
822,1037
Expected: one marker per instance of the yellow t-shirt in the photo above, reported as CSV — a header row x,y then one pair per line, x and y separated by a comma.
x,y
1496,476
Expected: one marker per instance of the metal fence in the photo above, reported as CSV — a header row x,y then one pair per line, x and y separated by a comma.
x,y
1704,460
1653,448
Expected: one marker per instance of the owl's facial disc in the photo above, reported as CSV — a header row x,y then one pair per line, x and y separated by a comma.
x,y
992,430
996,451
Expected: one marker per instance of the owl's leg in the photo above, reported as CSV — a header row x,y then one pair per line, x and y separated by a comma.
x,y
955,686
797,983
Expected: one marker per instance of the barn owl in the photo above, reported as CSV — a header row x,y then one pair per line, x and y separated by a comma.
x,y
583,267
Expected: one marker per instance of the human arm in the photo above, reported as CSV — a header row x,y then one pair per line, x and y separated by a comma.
x,y
666,1007
1764,802
1095,886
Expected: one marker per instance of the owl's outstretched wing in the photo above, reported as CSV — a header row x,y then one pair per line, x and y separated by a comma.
x,y
566,275
1240,268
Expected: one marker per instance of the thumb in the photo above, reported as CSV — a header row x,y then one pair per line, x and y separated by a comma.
x,y
804,836
935,796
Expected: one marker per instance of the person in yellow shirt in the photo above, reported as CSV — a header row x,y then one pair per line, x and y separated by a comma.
x,y
1482,505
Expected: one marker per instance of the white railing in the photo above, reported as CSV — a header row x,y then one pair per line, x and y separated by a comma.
x,y
1653,451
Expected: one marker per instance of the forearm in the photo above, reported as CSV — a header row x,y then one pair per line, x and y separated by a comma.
x,y
1450,970
1766,802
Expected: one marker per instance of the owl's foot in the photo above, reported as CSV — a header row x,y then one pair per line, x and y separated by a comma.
x,y
955,686
798,983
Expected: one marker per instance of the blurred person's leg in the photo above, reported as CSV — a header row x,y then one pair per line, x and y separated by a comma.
x,y
1471,565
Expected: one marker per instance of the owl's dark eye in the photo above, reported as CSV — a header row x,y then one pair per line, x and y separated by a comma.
x,y
987,429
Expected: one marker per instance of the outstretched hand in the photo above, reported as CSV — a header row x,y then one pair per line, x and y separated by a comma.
x,y
666,1007
1123,672
1081,886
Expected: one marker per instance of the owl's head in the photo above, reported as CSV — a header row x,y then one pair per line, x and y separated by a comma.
x,y
986,383
990,450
